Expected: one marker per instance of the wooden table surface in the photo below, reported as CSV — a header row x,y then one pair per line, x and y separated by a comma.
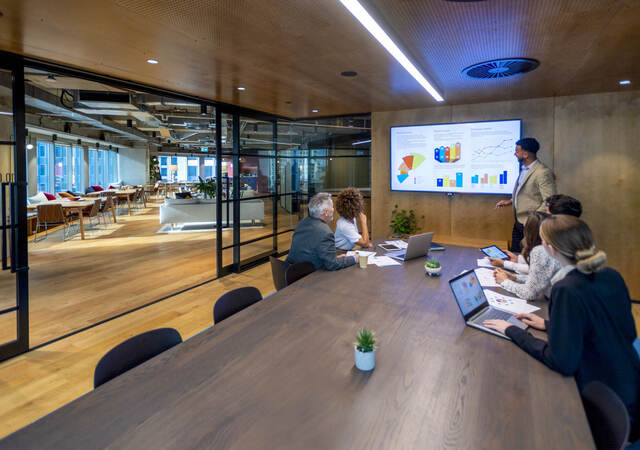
x,y
280,374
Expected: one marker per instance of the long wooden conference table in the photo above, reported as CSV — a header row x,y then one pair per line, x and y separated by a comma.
x,y
280,374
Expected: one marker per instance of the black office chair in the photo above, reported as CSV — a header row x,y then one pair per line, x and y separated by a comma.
x,y
278,272
134,351
235,301
607,415
298,270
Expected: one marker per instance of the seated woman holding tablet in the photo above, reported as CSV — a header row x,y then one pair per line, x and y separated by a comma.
x,y
591,329
541,266
350,205
517,263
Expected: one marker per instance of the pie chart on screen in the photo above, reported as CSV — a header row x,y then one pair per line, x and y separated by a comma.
x,y
409,163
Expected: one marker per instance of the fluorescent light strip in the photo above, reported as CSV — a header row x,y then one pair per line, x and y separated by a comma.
x,y
362,142
372,26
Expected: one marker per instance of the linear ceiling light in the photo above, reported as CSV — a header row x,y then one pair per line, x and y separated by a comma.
x,y
372,26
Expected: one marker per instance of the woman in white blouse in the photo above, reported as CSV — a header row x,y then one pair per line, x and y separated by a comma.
x,y
542,267
350,206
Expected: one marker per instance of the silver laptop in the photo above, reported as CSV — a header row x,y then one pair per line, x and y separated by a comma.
x,y
474,306
417,246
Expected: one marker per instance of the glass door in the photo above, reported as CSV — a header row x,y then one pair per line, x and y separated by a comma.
x,y
14,320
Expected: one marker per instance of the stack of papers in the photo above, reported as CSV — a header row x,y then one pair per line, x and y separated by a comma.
x,y
399,244
484,262
382,261
510,304
361,252
485,277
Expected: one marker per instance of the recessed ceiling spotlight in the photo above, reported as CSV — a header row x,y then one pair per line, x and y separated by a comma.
x,y
152,61
29,146
240,88
349,73
203,110
51,78
383,38
314,110
625,82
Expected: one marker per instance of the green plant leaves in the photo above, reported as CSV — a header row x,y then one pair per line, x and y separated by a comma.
x,y
365,342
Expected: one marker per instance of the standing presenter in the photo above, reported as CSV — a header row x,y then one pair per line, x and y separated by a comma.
x,y
535,183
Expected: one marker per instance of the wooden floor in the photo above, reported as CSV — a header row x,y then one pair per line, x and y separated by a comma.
x,y
77,283
36,383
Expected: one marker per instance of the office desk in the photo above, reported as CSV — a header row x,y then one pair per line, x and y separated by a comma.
x,y
280,374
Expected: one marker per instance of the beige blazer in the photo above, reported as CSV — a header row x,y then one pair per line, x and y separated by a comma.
x,y
538,184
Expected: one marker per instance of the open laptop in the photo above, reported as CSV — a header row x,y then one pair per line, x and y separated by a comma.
x,y
474,306
417,246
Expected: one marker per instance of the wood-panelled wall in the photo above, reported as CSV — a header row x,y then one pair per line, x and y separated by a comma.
x,y
591,142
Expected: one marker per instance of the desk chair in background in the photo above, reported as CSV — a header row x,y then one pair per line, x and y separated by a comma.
x,y
133,352
235,301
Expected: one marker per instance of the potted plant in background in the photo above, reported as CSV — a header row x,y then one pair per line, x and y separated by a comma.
x,y
365,350
403,223
208,188
432,267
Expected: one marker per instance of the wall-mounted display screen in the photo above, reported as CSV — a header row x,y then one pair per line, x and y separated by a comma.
x,y
473,157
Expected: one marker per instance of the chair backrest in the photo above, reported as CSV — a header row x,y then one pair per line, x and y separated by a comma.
x,y
278,272
50,213
235,301
133,352
607,415
93,209
299,270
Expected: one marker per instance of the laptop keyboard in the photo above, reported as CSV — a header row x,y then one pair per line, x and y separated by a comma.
x,y
494,314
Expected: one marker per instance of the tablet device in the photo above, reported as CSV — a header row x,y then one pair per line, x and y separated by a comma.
x,y
494,252
388,247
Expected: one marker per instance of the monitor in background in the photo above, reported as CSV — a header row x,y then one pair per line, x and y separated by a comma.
x,y
473,157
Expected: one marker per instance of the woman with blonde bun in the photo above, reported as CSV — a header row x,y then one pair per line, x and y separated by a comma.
x,y
591,329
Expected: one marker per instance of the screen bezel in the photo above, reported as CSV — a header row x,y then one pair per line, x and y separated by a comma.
x,y
444,123
483,250
478,308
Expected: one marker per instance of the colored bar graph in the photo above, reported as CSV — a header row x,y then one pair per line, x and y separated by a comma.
x,y
475,179
459,179
446,181
485,179
493,179
439,182
504,177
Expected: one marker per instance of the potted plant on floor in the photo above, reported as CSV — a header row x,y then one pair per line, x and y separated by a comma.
x,y
403,223
365,350
432,267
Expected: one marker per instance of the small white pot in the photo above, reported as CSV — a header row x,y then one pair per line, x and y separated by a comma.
x,y
433,271
365,360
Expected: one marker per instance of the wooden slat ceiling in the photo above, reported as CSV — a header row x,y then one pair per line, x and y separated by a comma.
x,y
294,50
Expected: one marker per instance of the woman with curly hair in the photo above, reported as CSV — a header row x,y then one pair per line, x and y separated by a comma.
x,y
350,205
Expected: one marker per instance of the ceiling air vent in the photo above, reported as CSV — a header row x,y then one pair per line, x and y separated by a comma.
x,y
501,68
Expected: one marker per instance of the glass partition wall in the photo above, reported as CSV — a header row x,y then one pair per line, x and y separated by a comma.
x,y
133,194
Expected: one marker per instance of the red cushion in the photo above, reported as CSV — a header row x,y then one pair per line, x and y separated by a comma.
x,y
110,187
49,196
97,188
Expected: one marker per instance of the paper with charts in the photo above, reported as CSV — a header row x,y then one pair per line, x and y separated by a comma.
x,y
485,277
508,303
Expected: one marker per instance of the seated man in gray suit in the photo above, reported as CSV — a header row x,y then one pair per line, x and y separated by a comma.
x,y
313,240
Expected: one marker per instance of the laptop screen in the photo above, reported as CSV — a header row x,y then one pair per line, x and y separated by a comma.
x,y
468,293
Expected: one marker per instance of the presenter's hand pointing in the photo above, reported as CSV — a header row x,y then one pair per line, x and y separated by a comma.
x,y
503,203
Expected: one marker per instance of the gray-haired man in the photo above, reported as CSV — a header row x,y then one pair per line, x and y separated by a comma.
x,y
313,240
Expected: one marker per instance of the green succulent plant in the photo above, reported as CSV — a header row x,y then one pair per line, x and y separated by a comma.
x,y
365,342
432,263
